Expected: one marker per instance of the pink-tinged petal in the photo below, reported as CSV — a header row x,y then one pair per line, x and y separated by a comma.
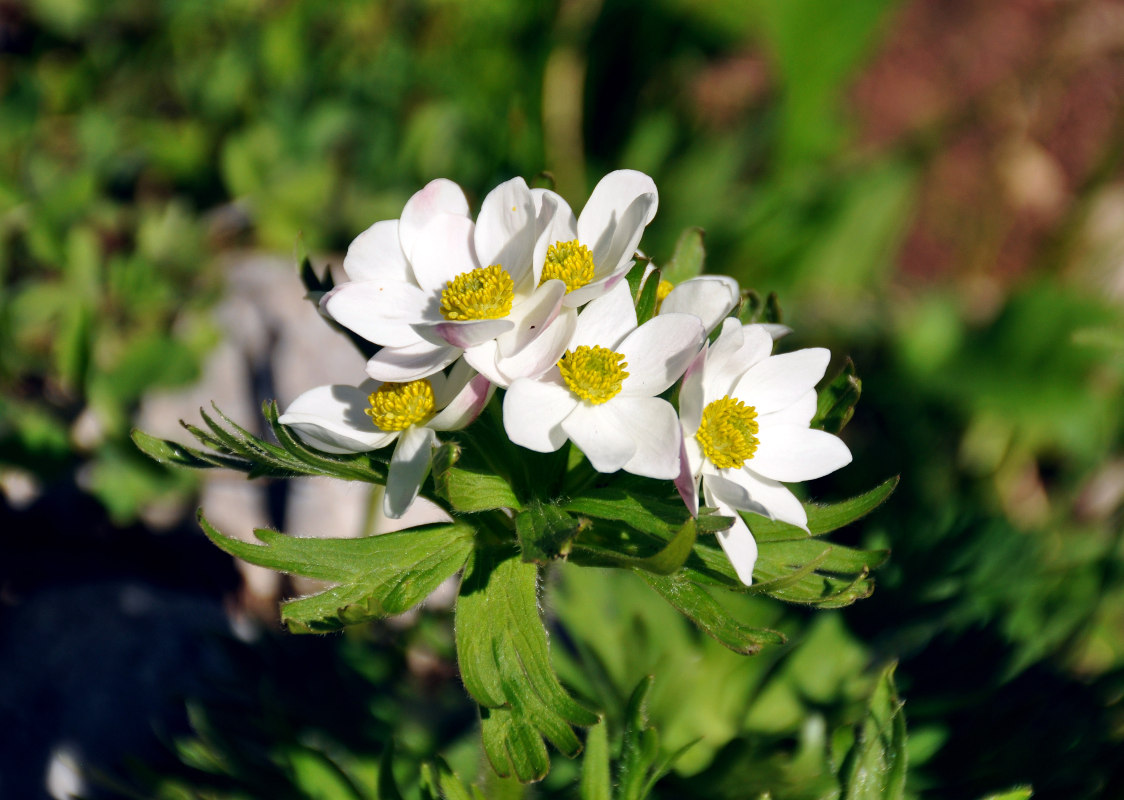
x,y
465,407
737,541
421,512
408,467
607,320
505,230
737,348
695,458
691,393
659,352
791,453
382,312
401,364
591,291
533,411
607,205
541,354
708,297
744,489
555,222
376,255
780,381
686,483
799,413
653,425
331,418
443,250
468,333
597,432
626,237
531,316
438,197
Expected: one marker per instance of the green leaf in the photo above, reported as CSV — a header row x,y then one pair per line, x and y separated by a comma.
x,y
387,786
695,603
1017,793
545,532
836,402
646,302
595,783
469,490
505,665
377,576
689,257
642,512
664,561
439,782
875,767
822,519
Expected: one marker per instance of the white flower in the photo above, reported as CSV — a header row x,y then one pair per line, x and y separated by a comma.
x,y
602,394
355,419
591,253
745,416
433,285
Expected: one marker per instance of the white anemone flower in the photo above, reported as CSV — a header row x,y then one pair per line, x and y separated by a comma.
x,y
355,419
745,416
593,252
434,285
602,393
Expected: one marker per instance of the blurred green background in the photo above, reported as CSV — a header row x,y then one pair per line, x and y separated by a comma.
x,y
933,188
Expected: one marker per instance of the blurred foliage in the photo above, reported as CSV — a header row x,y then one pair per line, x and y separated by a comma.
x,y
141,141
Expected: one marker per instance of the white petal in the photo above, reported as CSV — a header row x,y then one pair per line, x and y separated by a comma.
x,y
708,297
776,330
597,432
591,291
531,316
737,348
380,311
607,320
626,237
555,223
421,512
438,197
607,205
331,418
659,351
686,482
744,489
482,358
780,381
419,360
691,393
442,250
791,453
737,541
653,425
541,354
505,230
800,413
466,333
375,254
465,407
533,411
408,468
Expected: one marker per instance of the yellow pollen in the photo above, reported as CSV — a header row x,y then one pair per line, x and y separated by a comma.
x,y
483,293
662,291
728,432
570,262
397,406
593,373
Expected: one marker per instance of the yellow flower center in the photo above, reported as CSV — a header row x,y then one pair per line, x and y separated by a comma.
x,y
570,262
397,406
662,291
593,373
483,293
727,432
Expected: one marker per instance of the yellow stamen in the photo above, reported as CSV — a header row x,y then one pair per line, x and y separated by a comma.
x,y
483,293
570,262
593,373
662,291
728,432
397,406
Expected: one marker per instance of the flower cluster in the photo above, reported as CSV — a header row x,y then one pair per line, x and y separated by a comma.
x,y
532,299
